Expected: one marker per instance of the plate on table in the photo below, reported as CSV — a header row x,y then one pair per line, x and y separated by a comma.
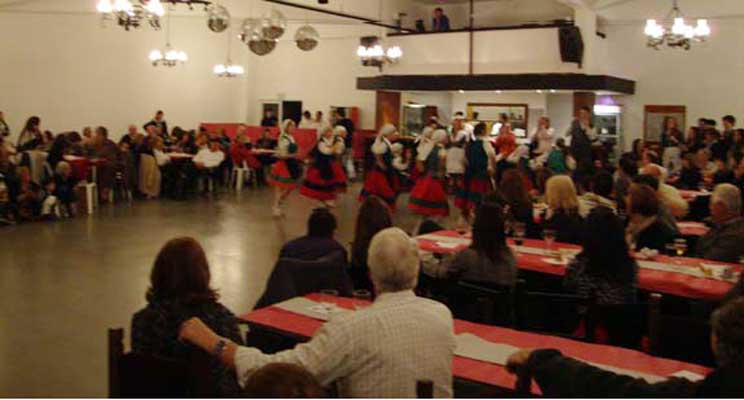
x,y
556,261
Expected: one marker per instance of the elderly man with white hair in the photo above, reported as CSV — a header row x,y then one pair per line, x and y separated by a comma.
x,y
724,241
668,194
379,351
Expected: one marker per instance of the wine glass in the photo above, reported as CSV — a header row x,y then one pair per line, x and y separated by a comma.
x,y
327,297
362,298
519,232
549,237
681,246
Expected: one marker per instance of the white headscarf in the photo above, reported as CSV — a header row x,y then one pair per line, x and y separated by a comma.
x,y
380,145
425,148
285,126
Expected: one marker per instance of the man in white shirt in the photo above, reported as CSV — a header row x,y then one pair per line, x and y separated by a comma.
x,y
210,157
376,352
307,121
668,194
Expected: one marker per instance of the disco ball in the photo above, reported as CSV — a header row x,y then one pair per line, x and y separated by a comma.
x,y
307,38
274,25
262,46
249,29
218,18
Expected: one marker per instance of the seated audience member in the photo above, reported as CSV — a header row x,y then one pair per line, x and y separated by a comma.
x,y
241,153
599,194
30,137
208,160
704,163
158,151
318,242
517,201
560,376
488,259
378,351
28,196
725,240
49,203
668,194
374,215
560,160
723,174
64,189
57,150
714,145
624,175
563,210
105,148
186,144
645,229
665,214
130,136
690,177
604,268
180,290
282,381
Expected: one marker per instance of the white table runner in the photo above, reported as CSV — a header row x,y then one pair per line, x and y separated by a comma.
x,y
309,308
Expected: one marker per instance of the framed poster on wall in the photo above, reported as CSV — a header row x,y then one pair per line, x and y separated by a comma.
x,y
655,116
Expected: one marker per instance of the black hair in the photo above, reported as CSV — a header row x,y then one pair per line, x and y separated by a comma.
x,y
602,184
628,165
103,131
321,223
439,9
341,112
605,250
479,129
730,119
159,112
307,114
32,123
489,239
727,324
647,180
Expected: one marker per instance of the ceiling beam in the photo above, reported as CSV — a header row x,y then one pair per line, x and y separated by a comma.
x,y
603,5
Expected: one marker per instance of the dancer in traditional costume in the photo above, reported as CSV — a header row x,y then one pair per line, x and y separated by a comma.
x,y
325,173
339,172
287,170
381,180
428,197
479,166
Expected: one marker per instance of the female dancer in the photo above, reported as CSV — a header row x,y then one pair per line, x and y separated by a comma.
x,y
286,171
339,146
382,180
480,160
428,197
321,181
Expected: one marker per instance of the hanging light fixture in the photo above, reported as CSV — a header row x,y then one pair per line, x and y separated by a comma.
x,y
252,35
132,13
372,53
228,69
679,35
168,57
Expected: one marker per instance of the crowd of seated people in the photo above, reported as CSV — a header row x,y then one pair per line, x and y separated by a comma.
x,y
39,182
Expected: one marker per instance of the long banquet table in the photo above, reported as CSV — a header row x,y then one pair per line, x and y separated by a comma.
x,y
299,327
678,276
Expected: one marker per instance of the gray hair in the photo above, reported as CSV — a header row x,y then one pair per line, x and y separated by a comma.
x,y
727,324
729,195
393,260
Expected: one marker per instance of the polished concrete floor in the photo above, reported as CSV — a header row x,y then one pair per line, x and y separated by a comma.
x,y
63,284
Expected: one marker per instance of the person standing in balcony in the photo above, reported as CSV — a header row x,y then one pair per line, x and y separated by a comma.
x,y
440,22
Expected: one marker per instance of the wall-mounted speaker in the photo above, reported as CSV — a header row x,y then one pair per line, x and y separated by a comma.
x,y
572,44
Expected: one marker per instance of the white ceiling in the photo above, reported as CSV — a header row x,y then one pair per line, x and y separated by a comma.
x,y
608,10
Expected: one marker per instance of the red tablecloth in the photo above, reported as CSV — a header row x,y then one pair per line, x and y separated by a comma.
x,y
81,166
690,228
305,138
677,284
483,372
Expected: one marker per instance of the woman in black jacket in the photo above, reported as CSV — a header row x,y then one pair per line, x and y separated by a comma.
x,y
645,229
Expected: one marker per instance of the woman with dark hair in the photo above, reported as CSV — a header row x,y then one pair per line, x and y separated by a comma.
x,y
671,139
489,259
518,201
281,380
374,216
645,229
180,290
690,176
30,136
637,151
604,269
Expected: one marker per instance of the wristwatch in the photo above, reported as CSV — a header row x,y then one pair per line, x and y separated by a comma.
x,y
219,348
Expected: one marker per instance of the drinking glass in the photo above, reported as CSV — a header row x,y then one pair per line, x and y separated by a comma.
x,y
681,246
549,237
362,298
671,249
519,232
327,297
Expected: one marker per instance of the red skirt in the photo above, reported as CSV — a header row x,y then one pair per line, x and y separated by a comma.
x,y
339,176
471,191
378,184
315,187
280,176
429,198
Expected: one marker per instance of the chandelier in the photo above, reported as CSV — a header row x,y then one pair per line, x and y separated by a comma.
x,y
680,35
132,13
372,53
168,57
228,70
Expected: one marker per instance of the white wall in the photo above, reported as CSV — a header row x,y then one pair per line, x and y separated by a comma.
x,y
560,111
708,79
71,72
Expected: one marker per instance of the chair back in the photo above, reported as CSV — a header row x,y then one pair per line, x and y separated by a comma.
x,y
424,389
553,313
133,375
680,337
292,278
483,303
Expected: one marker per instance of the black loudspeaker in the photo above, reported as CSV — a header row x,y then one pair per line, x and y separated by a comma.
x,y
572,44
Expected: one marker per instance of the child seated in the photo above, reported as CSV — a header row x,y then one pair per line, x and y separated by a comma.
x,y
64,189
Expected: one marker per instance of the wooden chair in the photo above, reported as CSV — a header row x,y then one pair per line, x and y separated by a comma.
x,y
483,303
679,337
133,375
